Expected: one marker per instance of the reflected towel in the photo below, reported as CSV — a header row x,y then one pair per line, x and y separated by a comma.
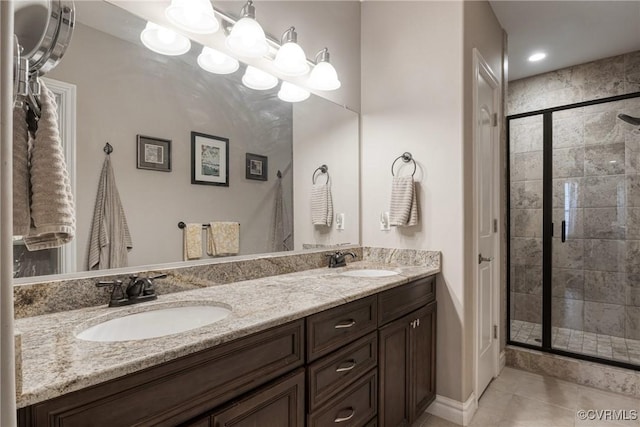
x,y
223,238
21,141
53,221
192,241
321,204
404,204
110,239
281,227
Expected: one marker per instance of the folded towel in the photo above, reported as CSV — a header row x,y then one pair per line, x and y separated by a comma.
x,y
404,204
53,221
223,238
193,241
281,227
21,140
321,204
110,239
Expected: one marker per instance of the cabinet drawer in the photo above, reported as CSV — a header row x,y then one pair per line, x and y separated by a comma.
x,y
352,407
333,373
338,326
399,301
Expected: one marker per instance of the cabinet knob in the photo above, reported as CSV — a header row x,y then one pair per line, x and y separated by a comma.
x,y
347,418
345,325
350,366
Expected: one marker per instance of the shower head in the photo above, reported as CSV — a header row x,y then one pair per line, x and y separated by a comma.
x,y
631,120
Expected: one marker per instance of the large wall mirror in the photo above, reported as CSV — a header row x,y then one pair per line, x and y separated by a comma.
x,y
123,90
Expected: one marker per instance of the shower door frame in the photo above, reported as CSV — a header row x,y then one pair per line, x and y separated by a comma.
x,y
547,229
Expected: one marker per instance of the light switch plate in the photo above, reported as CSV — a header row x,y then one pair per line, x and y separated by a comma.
x,y
340,221
384,221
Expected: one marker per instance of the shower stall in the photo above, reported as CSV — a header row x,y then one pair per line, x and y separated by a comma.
x,y
574,230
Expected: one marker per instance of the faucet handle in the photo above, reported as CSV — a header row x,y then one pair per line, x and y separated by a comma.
x,y
116,291
159,276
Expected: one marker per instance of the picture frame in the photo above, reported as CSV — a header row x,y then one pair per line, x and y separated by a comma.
x,y
257,167
209,159
153,153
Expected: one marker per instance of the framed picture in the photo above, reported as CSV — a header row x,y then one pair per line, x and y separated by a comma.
x,y
153,153
209,160
256,167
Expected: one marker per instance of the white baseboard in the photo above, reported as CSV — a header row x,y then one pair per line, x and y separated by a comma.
x,y
453,410
502,361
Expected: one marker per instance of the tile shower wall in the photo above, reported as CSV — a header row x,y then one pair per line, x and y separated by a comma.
x,y
596,190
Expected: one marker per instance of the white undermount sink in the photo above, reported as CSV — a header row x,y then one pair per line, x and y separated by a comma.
x,y
154,323
369,273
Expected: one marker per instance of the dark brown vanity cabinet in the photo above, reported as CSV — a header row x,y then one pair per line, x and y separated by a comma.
x,y
407,355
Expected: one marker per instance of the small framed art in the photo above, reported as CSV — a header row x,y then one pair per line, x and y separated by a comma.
x,y
256,167
153,153
209,159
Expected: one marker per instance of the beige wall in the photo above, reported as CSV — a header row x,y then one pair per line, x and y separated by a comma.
x,y
325,133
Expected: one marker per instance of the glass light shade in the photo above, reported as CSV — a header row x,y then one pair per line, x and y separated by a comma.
x,y
247,39
324,77
164,41
291,60
217,62
257,79
292,93
196,16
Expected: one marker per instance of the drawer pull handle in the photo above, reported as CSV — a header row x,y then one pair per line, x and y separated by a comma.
x,y
345,325
347,418
350,366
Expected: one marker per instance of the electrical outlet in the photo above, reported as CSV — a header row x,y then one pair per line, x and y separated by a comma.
x,y
384,221
340,221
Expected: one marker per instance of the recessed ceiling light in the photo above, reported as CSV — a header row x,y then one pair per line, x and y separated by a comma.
x,y
539,56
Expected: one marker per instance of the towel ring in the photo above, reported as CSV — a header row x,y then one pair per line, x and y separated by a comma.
x,y
406,157
322,169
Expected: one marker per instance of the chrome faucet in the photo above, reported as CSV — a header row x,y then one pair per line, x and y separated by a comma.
x,y
338,258
137,290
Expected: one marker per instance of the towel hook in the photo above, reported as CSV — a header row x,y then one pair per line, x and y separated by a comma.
x,y
323,169
279,174
406,157
108,148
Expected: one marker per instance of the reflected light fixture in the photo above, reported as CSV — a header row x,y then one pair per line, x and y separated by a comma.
x,y
291,59
217,62
538,56
164,41
291,93
195,16
324,76
257,79
247,37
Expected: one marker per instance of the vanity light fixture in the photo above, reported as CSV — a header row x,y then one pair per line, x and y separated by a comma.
x,y
195,16
291,59
247,37
538,56
291,93
324,76
257,79
164,41
217,62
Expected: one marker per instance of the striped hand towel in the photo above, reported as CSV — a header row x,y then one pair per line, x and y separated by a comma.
x,y
404,204
321,204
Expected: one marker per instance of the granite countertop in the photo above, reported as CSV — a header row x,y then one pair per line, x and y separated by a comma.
x,y
55,362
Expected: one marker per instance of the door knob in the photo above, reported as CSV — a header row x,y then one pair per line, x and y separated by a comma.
x,y
481,259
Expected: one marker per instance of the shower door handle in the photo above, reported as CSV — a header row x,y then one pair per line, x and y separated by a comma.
x,y
481,259
564,231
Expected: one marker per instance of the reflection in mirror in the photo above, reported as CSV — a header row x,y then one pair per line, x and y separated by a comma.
x,y
124,90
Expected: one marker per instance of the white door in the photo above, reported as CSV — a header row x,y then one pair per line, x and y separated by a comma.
x,y
486,166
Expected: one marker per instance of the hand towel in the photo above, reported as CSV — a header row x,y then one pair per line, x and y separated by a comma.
x,y
404,204
193,241
21,141
321,204
53,221
281,227
223,238
110,239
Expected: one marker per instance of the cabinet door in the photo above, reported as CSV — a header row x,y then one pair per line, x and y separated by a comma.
x,y
422,386
280,404
393,362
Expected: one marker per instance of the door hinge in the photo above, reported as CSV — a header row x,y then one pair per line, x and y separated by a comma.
x,y
494,119
495,225
495,332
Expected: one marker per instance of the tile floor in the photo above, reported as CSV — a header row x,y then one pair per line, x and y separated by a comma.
x,y
605,346
522,399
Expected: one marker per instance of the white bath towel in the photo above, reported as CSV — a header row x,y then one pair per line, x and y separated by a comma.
x,y
53,219
404,204
223,238
21,141
110,240
321,204
193,241
281,228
